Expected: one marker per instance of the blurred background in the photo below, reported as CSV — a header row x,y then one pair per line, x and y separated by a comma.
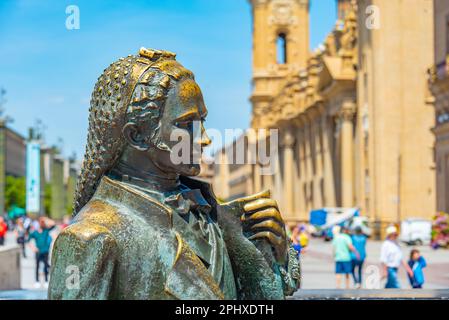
x,y
357,91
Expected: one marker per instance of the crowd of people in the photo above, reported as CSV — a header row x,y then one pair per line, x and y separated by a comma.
x,y
37,235
350,253
392,259
349,250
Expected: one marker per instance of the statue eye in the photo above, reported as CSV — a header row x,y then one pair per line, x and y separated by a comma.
x,y
186,125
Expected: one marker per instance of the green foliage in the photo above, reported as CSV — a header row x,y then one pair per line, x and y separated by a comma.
x,y
15,192
69,207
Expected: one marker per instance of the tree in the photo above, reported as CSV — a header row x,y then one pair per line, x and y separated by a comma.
x,y
15,192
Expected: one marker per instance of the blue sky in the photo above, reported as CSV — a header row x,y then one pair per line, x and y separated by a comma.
x,y
49,71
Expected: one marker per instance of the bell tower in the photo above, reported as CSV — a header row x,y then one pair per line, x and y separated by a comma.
x,y
280,48
343,7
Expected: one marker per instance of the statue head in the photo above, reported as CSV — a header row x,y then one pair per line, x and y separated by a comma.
x,y
137,104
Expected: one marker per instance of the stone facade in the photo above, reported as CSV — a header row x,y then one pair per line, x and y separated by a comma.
x,y
353,117
439,86
10,267
12,157
61,175
233,178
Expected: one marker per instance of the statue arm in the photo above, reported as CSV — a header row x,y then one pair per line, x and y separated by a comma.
x,y
291,272
257,219
83,262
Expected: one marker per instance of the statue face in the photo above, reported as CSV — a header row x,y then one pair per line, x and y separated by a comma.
x,y
183,114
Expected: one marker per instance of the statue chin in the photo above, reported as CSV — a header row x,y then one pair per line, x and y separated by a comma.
x,y
192,170
188,170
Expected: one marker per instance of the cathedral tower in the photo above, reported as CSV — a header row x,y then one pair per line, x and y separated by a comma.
x,y
280,47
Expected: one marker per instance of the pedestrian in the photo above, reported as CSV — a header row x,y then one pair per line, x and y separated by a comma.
x,y
303,236
66,221
296,241
3,229
34,225
391,259
342,247
27,221
41,247
20,232
359,243
417,263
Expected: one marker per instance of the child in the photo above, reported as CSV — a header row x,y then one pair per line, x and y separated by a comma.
x,y
417,263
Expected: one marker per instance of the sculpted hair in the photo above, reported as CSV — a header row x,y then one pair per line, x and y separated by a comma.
x,y
133,89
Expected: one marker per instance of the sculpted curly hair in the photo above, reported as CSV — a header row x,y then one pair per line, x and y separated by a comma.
x,y
132,89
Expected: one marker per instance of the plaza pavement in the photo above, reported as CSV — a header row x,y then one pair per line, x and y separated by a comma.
x,y
27,276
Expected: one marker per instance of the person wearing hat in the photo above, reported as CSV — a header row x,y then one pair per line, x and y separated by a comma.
x,y
391,259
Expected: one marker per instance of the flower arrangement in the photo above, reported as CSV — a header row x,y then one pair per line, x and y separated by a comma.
x,y
440,230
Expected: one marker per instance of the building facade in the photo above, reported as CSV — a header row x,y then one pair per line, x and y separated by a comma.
x,y
15,153
353,116
233,177
12,158
439,86
60,174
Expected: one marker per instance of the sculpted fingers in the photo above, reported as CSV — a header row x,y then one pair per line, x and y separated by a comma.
x,y
269,213
273,226
272,238
260,195
259,204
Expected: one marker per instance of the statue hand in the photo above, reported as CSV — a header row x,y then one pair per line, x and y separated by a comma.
x,y
261,220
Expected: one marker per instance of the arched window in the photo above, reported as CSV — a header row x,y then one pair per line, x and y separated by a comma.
x,y
281,48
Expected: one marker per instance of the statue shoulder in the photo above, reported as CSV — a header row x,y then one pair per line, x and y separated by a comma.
x,y
85,252
97,217
86,231
93,224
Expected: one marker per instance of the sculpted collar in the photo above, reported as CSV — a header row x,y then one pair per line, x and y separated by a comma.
x,y
190,227
188,200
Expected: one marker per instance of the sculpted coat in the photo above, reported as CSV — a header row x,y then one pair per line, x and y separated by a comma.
x,y
143,228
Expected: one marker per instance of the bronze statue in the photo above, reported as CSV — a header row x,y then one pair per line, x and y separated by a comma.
x,y
143,229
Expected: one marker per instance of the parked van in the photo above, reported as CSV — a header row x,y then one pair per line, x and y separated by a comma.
x,y
416,231
323,220
360,222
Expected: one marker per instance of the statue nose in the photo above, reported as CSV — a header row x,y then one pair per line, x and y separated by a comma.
x,y
205,140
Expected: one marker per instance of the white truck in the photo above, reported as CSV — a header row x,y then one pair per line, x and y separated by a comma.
x,y
416,231
324,219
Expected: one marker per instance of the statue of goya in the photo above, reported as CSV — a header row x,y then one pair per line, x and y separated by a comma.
x,y
143,228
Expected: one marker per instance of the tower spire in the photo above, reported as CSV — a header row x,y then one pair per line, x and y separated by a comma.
x,y
280,46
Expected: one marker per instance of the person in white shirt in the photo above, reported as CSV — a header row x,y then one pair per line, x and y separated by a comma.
x,y
391,258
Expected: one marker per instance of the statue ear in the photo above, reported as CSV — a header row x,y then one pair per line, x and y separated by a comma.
x,y
134,136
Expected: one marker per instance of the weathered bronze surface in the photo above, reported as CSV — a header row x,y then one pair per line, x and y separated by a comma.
x,y
143,229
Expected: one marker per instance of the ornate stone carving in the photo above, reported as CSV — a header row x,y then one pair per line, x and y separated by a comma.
x,y
282,13
288,139
347,113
